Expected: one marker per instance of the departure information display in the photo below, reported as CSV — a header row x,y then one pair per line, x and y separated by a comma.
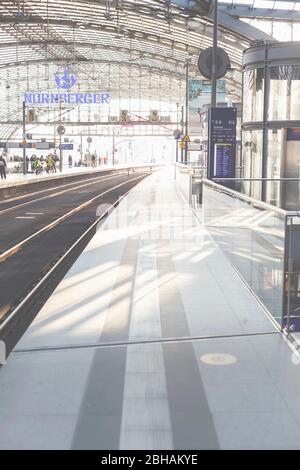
x,y
222,143
293,134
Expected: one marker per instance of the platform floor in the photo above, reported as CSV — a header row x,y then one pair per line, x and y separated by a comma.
x,y
14,179
151,341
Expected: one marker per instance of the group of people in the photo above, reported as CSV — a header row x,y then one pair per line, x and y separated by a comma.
x,y
48,163
37,164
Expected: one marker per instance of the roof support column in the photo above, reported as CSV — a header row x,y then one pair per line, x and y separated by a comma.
x,y
214,58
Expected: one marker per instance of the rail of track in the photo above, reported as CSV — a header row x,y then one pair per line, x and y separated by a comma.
x,y
17,314
52,192
47,227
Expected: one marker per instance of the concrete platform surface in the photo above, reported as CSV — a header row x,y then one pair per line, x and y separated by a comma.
x,y
151,341
14,179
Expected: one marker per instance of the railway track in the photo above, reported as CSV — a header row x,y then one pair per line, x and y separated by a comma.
x,y
14,249
47,207
31,269
53,192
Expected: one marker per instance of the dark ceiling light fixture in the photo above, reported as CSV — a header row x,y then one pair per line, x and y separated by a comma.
x,y
107,15
118,8
168,10
21,11
168,14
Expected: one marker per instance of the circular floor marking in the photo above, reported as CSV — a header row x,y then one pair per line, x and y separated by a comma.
x,y
218,359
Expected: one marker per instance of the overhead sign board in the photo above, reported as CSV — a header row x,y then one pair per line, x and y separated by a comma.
x,y
222,143
293,134
42,146
28,145
66,147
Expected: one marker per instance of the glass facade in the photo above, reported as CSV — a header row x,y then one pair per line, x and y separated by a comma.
x,y
253,238
253,95
274,162
292,285
252,162
284,94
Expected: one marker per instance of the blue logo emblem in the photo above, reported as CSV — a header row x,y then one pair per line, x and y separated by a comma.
x,y
65,79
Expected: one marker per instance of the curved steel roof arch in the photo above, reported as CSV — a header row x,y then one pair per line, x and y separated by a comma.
x,y
155,36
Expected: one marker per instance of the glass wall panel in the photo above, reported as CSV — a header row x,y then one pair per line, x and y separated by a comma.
x,y
292,284
295,96
252,153
284,97
253,94
275,150
253,238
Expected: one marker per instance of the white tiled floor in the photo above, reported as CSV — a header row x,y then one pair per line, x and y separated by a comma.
x,y
169,288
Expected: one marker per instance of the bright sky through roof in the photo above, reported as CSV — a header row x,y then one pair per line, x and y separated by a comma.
x,y
264,4
280,30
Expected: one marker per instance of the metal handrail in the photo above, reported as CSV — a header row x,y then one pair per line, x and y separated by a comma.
x,y
288,219
252,201
256,179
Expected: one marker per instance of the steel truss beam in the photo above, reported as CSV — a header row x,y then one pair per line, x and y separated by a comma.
x,y
93,123
244,11
92,46
151,38
226,20
157,70
242,28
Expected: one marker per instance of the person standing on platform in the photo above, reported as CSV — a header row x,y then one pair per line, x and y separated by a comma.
x,y
32,159
49,164
70,161
2,168
56,161
38,167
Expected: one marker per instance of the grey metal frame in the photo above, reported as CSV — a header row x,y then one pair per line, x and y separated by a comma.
x,y
265,56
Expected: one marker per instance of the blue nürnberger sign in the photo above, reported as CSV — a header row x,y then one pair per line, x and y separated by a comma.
x,y
66,98
65,80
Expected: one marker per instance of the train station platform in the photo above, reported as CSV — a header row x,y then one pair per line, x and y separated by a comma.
x,y
14,179
151,341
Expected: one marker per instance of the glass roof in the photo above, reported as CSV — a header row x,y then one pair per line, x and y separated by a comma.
x,y
279,19
131,48
134,49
